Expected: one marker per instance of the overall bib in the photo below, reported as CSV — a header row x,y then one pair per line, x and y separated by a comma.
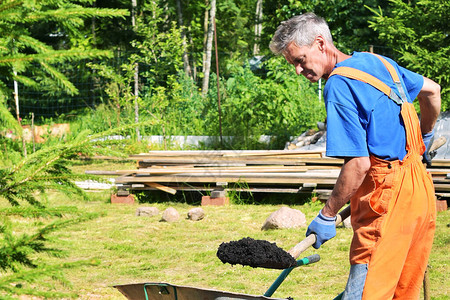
x,y
394,211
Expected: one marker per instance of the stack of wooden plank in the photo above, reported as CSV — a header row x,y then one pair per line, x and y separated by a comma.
x,y
440,171
283,171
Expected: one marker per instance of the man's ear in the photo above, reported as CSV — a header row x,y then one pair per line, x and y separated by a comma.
x,y
320,43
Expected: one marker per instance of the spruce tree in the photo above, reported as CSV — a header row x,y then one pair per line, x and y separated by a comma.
x,y
21,53
22,184
25,179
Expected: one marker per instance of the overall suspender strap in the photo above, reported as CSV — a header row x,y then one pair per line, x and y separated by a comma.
x,y
394,76
375,82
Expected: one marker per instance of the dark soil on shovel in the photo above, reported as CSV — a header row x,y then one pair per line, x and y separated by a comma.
x,y
256,254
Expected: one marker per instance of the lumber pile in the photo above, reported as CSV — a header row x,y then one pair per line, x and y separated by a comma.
x,y
272,171
269,171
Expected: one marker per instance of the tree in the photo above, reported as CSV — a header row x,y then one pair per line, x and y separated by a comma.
x,y
208,47
258,25
348,20
21,185
22,54
418,31
187,67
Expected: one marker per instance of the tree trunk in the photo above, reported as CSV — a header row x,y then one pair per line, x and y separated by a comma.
x,y
258,26
209,40
194,65
136,74
187,67
205,34
16,100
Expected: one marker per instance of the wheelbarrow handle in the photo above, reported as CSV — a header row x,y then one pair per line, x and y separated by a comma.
x,y
311,239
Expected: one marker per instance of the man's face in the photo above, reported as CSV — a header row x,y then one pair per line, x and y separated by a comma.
x,y
307,60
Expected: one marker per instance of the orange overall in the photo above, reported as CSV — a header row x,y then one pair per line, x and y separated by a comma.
x,y
393,212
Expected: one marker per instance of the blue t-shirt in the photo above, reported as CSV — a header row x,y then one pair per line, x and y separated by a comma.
x,y
361,120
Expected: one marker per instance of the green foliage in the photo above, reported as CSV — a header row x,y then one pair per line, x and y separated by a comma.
x,y
418,32
102,118
235,27
21,184
238,195
48,168
158,45
17,250
282,104
348,20
278,104
38,212
23,55
17,254
118,88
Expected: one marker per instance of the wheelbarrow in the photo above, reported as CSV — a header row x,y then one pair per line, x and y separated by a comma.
x,y
166,291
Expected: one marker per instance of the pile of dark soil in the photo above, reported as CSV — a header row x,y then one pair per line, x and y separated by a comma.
x,y
256,254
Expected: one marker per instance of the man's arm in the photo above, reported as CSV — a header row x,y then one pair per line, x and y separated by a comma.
x,y
430,104
350,179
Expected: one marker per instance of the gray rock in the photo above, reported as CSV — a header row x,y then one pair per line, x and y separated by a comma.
x,y
347,223
196,214
285,217
146,211
170,215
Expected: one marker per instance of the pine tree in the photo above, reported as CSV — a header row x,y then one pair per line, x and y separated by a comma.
x,y
21,184
21,53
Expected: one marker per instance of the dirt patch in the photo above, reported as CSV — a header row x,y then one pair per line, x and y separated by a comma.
x,y
255,253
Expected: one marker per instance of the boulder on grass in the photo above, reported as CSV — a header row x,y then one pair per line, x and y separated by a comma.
x,y
285,217
170,215
147,211
196,214
347,223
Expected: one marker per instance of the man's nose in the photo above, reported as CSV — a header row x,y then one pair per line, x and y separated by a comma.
x,y
298,69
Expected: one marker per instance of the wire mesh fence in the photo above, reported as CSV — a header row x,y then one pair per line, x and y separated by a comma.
x,y
51,102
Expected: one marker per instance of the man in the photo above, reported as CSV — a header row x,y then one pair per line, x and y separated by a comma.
x,y
372,124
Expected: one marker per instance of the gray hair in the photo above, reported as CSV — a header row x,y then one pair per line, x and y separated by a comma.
x,y
302,30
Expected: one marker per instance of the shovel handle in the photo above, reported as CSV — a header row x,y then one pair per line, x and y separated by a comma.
x,y
311,239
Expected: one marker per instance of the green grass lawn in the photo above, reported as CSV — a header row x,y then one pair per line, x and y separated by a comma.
x,y
126,249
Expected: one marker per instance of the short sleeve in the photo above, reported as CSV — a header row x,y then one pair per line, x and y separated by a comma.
x,y
413,82
346,132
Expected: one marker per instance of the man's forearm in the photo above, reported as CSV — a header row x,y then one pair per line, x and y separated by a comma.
x,y
430,105
350,179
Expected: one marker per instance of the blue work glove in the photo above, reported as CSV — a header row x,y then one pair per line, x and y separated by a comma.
x,y
323,227
428,141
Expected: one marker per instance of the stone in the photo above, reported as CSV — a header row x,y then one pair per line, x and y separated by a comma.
x,y
147,211
218,194
285,217
347,223
196,214
170,215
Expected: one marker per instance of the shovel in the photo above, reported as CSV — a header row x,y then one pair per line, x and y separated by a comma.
x,y
263,254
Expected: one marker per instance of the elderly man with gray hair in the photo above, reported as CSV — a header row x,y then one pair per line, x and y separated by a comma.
x,y
373,126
